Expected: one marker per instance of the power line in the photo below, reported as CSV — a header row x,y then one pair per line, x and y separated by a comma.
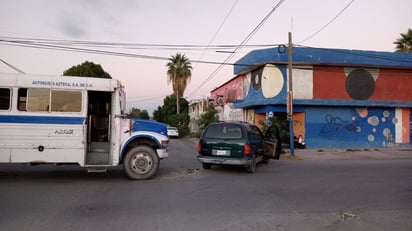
x,y
327,24
31,44
219,28
58,46
12,67
240,46
95,51
144,99
130,46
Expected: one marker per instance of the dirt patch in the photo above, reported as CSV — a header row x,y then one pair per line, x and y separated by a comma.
x,y
290,157
180,173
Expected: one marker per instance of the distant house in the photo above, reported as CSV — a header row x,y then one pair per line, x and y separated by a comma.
x,y
341,98
196,109
224,97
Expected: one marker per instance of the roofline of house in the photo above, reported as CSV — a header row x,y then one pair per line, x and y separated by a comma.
x,y
322,56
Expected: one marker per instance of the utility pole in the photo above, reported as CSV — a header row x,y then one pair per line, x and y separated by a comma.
x,y
289,103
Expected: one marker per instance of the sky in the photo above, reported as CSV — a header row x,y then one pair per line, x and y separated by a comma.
x,y
204,26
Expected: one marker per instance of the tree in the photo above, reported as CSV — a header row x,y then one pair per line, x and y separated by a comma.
x,y
144,114
87,69
210,116
404,43
159,115
179,72
280,125
181,121
165,112
137,113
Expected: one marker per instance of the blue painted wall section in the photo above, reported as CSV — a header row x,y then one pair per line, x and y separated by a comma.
x,y
255,97
349,127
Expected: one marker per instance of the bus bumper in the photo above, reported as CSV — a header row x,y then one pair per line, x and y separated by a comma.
x,y
162,153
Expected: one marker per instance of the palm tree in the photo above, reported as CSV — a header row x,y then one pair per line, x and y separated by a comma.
x,y
404,44
179,71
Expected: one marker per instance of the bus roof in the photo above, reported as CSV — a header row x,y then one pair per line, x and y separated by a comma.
x,y
58,82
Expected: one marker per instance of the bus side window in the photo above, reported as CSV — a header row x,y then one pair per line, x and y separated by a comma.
x,y
4,98
66,101
38,99
22,99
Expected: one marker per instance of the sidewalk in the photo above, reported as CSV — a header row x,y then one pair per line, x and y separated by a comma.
x,y
344,154
347,154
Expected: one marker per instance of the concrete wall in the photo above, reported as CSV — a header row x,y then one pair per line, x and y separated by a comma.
x,y
226,94
355,127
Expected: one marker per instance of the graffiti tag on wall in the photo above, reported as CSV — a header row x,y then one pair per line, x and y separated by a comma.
x,y
231,113
351,127
335,124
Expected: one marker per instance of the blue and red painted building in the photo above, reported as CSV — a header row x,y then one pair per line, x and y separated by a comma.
x,y
341,98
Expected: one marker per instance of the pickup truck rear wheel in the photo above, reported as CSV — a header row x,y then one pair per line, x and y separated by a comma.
x,y
206,166
141,162
252,167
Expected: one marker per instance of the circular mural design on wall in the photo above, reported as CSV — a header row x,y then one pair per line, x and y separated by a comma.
x,y
256,79
272,81
362,112
360,84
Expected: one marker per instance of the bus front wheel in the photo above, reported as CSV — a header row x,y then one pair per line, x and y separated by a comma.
x,y
141,163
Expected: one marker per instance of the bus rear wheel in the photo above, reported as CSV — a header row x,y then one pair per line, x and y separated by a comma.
x,y
141,163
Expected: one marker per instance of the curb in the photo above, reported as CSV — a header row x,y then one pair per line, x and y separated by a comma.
x,y
350,153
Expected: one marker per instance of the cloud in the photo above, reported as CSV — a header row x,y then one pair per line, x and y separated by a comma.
x,y
86,17
72,25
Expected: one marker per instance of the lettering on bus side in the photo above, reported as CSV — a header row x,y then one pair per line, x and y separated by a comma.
x,y
63,84
64,132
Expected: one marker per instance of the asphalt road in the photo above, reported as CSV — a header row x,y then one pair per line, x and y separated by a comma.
x,y
358,194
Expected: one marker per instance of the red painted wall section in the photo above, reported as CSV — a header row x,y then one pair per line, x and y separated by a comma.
x,y
329,83
393,85
231,90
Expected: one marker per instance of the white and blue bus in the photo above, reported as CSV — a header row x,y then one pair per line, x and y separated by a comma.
x,y
82,120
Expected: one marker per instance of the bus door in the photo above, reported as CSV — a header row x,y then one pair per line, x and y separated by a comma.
x,y
98,128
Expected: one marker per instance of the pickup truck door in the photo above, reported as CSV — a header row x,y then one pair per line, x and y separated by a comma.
x,y
269,149
271,143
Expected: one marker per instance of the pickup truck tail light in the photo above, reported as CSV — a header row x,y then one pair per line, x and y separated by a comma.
x,y
199,147
246,149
